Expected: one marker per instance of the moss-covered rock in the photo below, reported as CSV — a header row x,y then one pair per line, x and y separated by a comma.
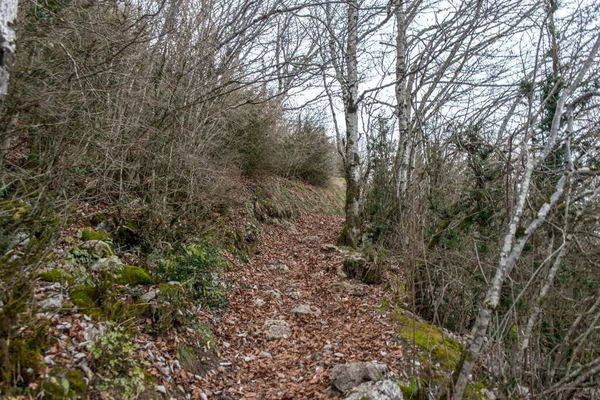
x,y
96,248
56,275
430,342
63,384
86,297
91,234
132,275
98,219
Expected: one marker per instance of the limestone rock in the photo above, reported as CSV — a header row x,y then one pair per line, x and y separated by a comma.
x,y
329,248
111,263
97,248
347,376
380,390
148,296
53,302
304,309
277,329
259,302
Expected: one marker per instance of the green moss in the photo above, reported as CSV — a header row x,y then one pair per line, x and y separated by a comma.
x,y
430,341
132,275
98,218
90,234
86,298
63,384
56,275
473,391
24,354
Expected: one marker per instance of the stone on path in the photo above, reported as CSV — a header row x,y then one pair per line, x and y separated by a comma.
x,y
54,302
304,309
347,376
380,390
277,329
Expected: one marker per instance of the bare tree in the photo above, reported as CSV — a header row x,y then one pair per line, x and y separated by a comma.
x,y
513,244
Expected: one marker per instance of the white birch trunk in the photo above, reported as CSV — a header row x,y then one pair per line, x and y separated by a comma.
x,y
8,19
351,235
402,112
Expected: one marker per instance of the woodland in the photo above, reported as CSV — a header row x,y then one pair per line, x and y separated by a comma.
x,y
300,199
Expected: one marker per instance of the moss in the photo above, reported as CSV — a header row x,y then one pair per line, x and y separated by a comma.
x,y
132,275
430,341
98,218
473,391
25,353
56,275
90,234
63,384
86,298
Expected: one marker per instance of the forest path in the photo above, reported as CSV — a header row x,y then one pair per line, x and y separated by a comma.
x,y
350,327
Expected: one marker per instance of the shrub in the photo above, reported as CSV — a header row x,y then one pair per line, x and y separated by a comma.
x,y
118,373
196,267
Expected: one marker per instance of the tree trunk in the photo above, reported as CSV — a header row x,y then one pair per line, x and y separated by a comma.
x,y
8,17
402,161
351,233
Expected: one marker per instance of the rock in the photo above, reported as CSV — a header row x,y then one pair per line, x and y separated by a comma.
x,y
53,302
276,294
294,294
127,237
347,376
342,286
278,265
161,389
97,248
111,263
265,354
304,309
148,296
357,267
277,329
259,302
339,271
329,248
380,390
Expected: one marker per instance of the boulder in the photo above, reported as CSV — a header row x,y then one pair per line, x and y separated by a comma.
x,y
380,390
111,263
304,309
53,302
97,248
345,377
277,329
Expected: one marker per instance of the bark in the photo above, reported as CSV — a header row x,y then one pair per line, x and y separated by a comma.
x,y
402,111
351,233
8,17
513,247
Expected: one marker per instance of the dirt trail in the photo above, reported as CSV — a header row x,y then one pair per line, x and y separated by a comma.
x,y
351,327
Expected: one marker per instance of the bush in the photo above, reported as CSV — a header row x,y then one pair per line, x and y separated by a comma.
x,y
196,267
309,154
118,372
